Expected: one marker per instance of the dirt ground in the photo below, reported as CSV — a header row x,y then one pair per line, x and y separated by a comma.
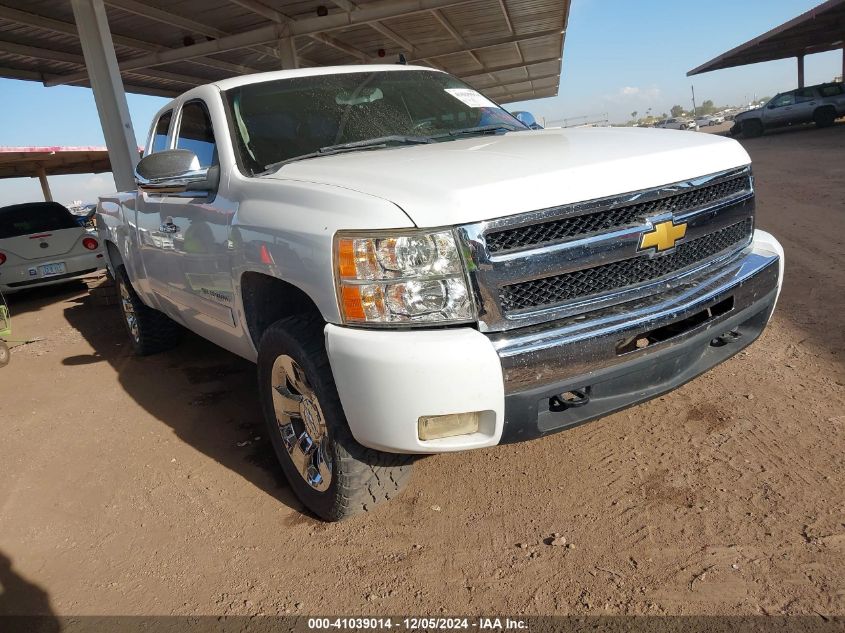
x,y
146,486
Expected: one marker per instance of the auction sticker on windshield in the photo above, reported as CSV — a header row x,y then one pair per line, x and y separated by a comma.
x,y
471,98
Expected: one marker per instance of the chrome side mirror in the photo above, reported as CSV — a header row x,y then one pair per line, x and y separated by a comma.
x,y
175,171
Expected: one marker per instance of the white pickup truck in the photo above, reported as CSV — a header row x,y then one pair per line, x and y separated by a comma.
x,y
414,271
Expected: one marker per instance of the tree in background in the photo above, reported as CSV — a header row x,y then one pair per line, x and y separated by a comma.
x,y
677,110
634,115
705,108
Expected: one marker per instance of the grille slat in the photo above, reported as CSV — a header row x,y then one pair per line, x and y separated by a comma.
x,y
614,218
539,293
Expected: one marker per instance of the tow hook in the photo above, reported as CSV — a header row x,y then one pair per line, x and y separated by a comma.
x,y
724,339
569,400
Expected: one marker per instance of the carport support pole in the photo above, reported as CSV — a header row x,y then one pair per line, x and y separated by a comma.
x,y
287,53
800,71
101,63
45,186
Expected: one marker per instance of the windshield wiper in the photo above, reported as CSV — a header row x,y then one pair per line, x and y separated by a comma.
x,y
370,143
480,129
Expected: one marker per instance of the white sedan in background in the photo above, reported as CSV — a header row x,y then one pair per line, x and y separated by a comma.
x,y
677,124
42,243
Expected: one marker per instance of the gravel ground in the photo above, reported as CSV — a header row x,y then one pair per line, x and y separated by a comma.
x,y
146,486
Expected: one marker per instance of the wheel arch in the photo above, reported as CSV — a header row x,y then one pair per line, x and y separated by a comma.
x,y
826,109
113,256
266,299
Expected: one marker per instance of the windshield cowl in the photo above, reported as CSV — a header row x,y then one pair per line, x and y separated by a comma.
x,y
389,142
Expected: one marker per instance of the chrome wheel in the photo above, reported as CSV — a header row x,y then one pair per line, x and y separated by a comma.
x,y
129,311
301,423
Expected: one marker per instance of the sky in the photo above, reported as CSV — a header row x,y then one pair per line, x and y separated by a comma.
x,y
620,56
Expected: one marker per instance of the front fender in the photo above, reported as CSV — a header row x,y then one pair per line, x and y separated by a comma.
x,y
285,229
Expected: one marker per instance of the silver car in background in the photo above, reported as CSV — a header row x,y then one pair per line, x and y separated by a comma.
x,y
676,123
821,104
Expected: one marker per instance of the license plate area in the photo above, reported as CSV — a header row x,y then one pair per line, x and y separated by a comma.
x,y
51,270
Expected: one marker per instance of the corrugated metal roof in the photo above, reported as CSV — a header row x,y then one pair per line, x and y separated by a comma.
x,y
509,49
820,29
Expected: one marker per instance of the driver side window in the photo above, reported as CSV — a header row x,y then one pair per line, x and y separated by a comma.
x,y
784,100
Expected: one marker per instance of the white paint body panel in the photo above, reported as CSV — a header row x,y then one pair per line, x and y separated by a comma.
x,y
767,242
388,379
487,177
275,75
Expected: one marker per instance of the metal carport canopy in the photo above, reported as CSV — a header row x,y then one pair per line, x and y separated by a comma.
x,y
819,29
510,49
40,162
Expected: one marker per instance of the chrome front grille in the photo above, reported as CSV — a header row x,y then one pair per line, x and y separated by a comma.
x,y
565,261
613,218
620,275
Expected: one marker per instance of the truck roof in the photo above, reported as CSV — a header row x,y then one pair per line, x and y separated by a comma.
x,y
243,80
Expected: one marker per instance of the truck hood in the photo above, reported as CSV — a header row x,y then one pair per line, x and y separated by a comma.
x,y
487,177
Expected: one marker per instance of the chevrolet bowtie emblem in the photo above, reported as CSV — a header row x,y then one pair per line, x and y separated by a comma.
x,y
663,236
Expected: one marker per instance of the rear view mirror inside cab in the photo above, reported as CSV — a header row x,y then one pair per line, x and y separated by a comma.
x,y
358,97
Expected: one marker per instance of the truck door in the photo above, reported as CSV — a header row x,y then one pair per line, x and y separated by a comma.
x,y
152,241
805,104
779,111
198,260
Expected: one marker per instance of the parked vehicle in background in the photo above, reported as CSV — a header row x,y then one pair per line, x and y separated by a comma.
x,y
527,119
821,104
704,121
42,243
84,212
416,272
676,124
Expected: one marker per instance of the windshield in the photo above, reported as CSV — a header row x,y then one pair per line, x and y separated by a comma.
x,y
280,120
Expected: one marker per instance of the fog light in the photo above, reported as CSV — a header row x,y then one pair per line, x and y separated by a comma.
x,y
432,427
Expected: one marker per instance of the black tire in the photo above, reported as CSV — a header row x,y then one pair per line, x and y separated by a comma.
x,y
824,117
752,128
5,355
360,477
154,332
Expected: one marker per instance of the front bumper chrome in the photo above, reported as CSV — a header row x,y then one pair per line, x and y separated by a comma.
x,y
596,354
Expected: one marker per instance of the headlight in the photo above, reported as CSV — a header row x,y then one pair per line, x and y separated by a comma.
x,y
403,277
